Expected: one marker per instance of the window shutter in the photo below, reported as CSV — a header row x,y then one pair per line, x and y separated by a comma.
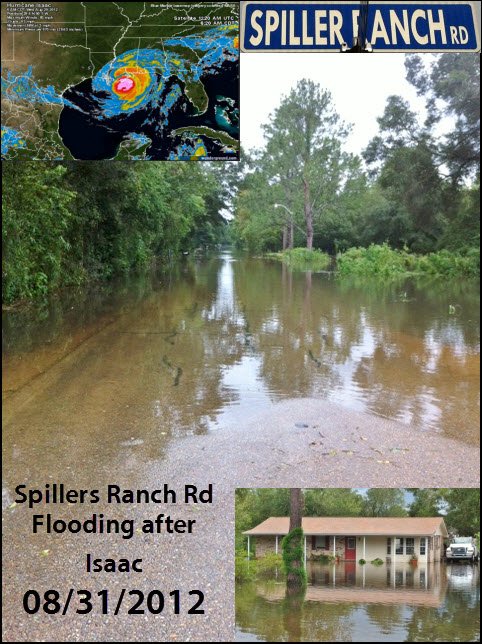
x,y
313,543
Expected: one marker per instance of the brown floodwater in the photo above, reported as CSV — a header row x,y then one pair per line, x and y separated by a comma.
x,y
194,349
347,602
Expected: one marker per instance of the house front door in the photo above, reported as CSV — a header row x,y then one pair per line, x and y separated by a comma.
x,y
350,548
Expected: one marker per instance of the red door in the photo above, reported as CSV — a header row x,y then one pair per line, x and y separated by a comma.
x,y
350,548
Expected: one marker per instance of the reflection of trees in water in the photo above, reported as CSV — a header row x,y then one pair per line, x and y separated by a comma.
x,y
292,613
396,346
457,621
386,617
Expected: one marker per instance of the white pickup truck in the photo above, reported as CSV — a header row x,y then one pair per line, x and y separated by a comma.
x,y
462,548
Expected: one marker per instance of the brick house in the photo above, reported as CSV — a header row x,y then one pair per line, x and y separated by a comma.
x,y
394,540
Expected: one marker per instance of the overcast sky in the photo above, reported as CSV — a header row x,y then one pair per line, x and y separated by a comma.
x,y
359,84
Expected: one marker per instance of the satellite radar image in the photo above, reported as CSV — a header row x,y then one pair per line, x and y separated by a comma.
x,y
120,80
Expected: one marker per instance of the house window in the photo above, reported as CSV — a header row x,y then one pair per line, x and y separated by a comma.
x,y
423,545
389,546
351,543
322,542
409,546
399,545
437,542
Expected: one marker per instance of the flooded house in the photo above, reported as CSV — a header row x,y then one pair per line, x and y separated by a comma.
x,y
391,539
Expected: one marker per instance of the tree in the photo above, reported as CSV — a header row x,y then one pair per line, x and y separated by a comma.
x,y
296,508
426,502
333,502
463,516
385,502
451,86
303,149
292,545
37,215
67,223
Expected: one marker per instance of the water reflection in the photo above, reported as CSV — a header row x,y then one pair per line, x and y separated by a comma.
x,y
349,602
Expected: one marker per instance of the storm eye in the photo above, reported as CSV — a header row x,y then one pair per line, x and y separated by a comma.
x,y
124,84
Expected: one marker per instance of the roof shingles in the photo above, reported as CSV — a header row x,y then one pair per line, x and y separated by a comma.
x,y
359,526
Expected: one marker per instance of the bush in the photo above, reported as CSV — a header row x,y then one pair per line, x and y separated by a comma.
x,y
304,259
362,562
269,564
244,569
377,562
383,261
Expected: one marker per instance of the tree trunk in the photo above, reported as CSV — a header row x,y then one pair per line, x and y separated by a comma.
x,y
294,578
285,237
296,508
291,235
308,214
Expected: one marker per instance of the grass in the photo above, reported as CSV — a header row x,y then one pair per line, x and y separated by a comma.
x,y
303,259
383,261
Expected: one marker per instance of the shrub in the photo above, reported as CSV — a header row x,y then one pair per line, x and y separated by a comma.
x,y
244,569
377,562
382,261
269,564
362,562
304,259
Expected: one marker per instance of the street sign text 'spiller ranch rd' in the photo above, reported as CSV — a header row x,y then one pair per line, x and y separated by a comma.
x,y
391,26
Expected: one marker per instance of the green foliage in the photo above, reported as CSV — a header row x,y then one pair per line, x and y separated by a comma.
x,y
293,554
333,502
244,569
64,224
377,562
256,505
304,259
451,87
463,516
378,260
36,218
250,569
385,502
362,562
269,564
426,502
383,261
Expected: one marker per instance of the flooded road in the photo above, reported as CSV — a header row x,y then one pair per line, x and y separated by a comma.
x,y
352,603
189,352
